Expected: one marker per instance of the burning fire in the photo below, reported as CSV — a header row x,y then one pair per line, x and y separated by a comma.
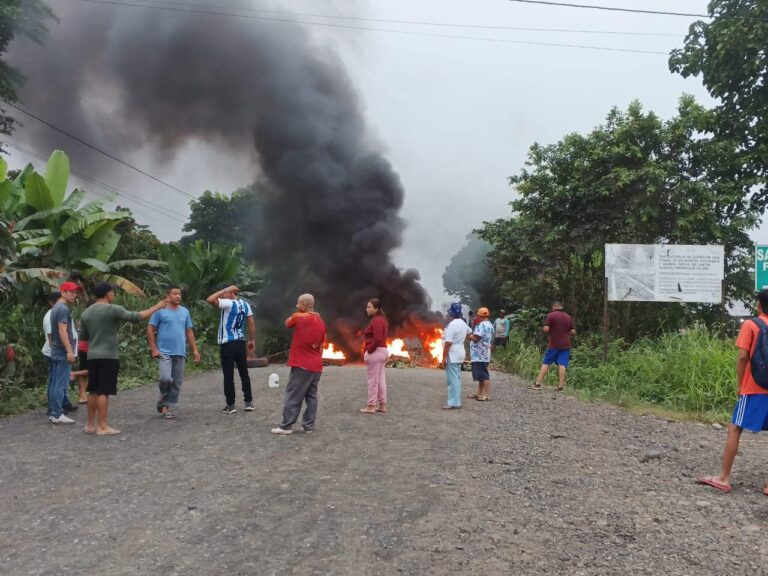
x,y
435,346
331,353
432,344
396,347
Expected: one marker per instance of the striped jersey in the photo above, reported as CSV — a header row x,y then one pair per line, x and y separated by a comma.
x,y
234,315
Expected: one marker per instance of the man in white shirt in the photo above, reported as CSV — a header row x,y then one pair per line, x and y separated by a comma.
x,y
454,335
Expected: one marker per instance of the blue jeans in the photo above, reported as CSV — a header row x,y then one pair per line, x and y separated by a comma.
x,y
453,374
171,377
58,381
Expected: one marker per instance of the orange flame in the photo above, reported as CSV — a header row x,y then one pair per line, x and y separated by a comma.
x,y
331,353
396,347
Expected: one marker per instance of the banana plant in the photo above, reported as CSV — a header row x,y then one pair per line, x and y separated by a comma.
x,y
52,232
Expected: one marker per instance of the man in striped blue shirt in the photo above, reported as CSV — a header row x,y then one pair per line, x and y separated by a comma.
x,y
233,351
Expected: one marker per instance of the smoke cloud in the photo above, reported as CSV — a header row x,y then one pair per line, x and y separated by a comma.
x,y
138,79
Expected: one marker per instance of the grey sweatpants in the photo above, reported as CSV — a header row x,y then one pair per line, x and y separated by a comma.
x,y
301,388
171,377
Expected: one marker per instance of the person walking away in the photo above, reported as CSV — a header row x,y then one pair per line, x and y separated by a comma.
x,y
62,353
480,354
306,361
751,411
559,328
454,336
168,332
501,330
375,357
98,325
233,350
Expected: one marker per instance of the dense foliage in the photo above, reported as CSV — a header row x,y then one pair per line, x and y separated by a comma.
x,y
634,179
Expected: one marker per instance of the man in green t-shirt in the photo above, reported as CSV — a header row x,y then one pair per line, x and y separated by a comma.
x,y
98,325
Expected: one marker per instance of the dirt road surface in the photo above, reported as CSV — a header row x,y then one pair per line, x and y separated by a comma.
x,y
529,483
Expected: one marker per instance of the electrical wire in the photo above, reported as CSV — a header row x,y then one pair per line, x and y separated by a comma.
x,y
97,149
637,10
371,29
157,209
411,22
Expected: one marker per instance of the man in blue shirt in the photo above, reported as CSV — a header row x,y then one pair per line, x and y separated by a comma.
x,y
169,330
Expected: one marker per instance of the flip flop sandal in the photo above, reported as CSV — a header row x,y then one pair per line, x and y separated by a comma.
x,y
483,399
710,481
534,387
559,388
473,396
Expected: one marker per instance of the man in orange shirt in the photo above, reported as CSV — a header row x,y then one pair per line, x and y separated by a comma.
x,y
751,412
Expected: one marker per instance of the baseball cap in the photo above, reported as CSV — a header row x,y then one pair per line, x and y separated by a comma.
x,y
455,310
101,289
483,312
69,287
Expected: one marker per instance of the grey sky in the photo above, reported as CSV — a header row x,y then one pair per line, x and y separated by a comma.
x,y
456,116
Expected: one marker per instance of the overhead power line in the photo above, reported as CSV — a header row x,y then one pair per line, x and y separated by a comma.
x,y
158,210
637,10
97,149
372,29
413,22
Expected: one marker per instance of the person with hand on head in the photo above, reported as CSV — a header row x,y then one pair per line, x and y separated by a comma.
x,y
233,350
168,332
306,361
62,340
98,325
376,355
454,335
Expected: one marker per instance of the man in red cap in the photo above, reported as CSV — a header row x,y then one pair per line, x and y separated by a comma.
x,y
62,353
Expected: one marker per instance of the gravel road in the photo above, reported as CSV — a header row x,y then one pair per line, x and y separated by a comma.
x,y
529,483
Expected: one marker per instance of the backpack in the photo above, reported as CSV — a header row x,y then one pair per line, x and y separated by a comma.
x,y
759,359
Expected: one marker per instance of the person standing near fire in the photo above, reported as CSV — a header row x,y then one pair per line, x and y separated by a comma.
x,y
375,357
306,361
454,336
233,350
480,354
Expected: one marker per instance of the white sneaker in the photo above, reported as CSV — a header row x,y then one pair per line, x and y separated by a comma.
x,y
60,420
282,431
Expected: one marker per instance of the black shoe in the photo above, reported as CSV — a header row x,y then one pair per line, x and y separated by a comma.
x,y
229,410
71,408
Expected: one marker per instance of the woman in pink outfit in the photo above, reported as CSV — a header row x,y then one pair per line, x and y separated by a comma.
x,y
376,357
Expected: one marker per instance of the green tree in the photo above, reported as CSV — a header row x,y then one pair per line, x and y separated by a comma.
x,y
468,277
228,220
635,179
729,54
26,17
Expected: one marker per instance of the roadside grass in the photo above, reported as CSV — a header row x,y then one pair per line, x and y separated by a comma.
x,y
688,376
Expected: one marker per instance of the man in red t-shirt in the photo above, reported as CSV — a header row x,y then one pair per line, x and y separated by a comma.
x,y
751,410
559,328
306,362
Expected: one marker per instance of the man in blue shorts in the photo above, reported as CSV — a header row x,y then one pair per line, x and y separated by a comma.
x,y
751,412
480,354
559,327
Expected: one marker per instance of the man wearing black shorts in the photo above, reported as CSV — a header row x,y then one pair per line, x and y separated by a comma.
x,y
98,325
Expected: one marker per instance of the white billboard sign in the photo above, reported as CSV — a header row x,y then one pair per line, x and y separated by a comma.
x,y
664,273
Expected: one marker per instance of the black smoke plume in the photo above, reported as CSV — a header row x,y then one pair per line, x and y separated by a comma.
x,y
167,78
